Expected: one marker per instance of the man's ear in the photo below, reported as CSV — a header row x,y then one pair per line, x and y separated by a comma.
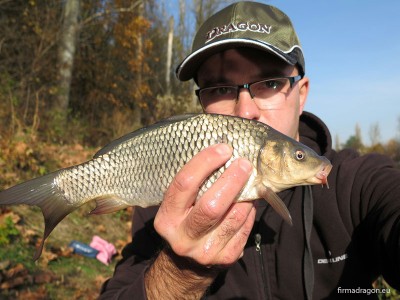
x,y
303,93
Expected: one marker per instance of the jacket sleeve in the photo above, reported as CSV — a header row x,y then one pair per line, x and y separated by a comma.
x,y
374,190
128,279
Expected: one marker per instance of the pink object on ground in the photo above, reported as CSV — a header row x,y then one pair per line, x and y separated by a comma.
x,y
106,249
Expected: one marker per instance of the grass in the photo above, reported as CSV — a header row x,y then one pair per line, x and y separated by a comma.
x,y
67,276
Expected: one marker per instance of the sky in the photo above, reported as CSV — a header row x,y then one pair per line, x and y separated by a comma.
x,y
352,54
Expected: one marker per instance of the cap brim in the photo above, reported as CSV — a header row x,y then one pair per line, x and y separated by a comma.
x,y
188,68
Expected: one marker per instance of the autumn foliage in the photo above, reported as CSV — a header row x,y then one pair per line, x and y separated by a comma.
x,y
118,75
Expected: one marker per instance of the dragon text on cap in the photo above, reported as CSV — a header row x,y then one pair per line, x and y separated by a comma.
x,y
240,26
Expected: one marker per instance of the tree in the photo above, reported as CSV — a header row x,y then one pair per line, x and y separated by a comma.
x,y
375,134
112,76
337,142
66,55
28,39
169,55
398,128
355,141
203,9
131,51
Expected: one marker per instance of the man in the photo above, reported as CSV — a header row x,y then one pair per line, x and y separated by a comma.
x,y
341,238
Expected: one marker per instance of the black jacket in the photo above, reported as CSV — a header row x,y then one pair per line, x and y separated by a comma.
x,y
354,236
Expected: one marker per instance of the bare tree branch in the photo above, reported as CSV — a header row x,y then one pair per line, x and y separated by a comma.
x,y
109,11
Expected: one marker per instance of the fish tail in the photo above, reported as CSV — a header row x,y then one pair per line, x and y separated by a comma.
x,y
44,193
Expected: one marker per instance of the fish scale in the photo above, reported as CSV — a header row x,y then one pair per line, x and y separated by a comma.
x,y
137,169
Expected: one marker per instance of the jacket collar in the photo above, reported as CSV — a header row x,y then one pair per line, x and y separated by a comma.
x,y
314,133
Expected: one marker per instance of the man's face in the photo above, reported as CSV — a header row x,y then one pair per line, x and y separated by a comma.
x,y
246,65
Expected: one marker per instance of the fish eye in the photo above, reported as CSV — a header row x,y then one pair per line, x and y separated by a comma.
x,y
300,155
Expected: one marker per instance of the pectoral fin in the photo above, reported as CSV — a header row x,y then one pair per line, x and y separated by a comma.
x,y
277,204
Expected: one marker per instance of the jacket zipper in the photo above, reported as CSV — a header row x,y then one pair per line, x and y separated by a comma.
x,y
257,239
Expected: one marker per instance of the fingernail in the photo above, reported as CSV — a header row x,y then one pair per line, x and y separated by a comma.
x,y
245,165
223,149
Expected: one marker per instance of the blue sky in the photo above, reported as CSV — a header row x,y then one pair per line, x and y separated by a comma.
x,y
352,53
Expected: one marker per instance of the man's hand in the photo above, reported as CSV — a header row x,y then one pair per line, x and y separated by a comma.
x,y
214,230
210,232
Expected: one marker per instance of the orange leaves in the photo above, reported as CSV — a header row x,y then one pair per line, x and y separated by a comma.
x,y
135,51
129,33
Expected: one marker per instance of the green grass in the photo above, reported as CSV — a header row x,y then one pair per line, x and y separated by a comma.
x,y
8,231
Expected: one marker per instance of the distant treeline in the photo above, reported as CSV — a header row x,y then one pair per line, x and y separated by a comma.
x,y
390,148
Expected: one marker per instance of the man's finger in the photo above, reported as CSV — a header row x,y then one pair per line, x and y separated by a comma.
x,y
183,191
217,200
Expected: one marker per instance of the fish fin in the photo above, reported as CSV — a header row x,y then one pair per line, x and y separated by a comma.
x,y
161,123
44,193
277,204
107,204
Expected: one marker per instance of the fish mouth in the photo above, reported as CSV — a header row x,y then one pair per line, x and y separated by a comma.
x,y
322,175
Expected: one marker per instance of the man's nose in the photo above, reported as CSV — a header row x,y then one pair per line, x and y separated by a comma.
x,y
245,105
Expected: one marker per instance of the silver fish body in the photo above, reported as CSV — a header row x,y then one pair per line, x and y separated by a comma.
x,y
136,169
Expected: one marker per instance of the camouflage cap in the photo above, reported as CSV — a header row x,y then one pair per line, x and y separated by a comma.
x,y
244,24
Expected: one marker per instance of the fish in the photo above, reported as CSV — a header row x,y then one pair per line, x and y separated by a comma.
x,y
136,169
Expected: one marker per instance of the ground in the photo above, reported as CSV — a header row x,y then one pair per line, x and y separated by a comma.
x,y
58,273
